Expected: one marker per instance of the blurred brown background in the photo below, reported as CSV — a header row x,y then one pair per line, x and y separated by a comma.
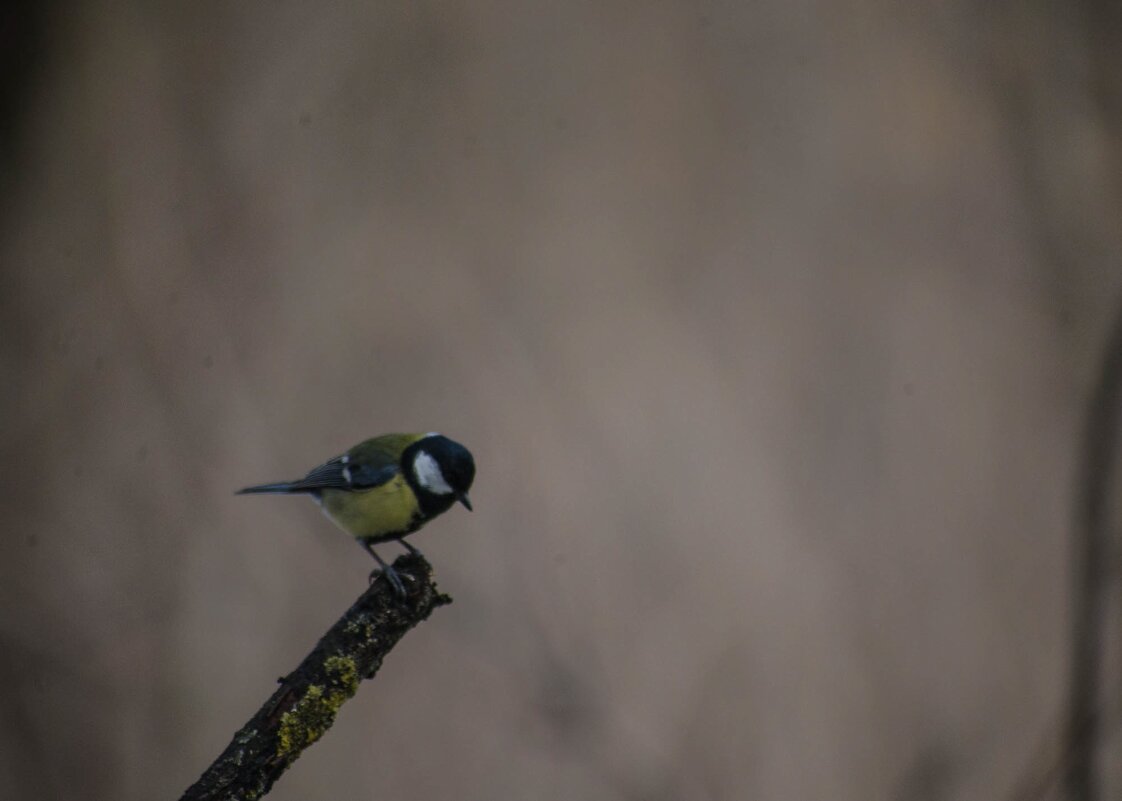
x,y
771,326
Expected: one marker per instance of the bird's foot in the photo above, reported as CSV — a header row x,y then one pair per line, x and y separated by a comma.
x,y
386,570
393,577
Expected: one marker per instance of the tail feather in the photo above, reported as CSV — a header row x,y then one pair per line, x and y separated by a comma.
x,y
278,487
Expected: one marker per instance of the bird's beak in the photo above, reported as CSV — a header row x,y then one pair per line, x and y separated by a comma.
x,y
466,501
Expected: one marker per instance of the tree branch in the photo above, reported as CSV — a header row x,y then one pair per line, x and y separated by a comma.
x,y
305,704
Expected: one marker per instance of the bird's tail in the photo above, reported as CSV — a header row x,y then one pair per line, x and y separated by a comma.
x,y
278,487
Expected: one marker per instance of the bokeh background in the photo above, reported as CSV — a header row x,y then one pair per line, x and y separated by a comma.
x,y
772,326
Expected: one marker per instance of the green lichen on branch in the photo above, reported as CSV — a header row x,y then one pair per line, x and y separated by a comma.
x,y
343,672
315,712
305,704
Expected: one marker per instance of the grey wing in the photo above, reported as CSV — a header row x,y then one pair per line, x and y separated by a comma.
x,y
341,473
344,474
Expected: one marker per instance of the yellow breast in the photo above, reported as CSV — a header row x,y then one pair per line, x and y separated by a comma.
x,y
380,513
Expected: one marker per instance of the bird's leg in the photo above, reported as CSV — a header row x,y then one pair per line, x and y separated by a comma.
x,y
391,575
409,546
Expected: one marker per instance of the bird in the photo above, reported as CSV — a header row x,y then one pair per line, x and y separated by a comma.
x,y
386,488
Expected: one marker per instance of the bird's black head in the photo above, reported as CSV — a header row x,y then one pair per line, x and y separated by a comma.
x,y
440,467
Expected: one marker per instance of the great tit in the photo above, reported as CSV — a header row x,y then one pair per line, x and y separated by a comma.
x,y
386,488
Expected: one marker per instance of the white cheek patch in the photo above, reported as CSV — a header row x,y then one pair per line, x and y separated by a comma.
x,y
429,476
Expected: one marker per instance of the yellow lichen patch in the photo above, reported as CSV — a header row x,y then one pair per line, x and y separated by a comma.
x,y
357,627
344,672
315,712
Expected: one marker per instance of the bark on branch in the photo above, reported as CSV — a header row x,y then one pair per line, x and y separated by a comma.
x,y
305,704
